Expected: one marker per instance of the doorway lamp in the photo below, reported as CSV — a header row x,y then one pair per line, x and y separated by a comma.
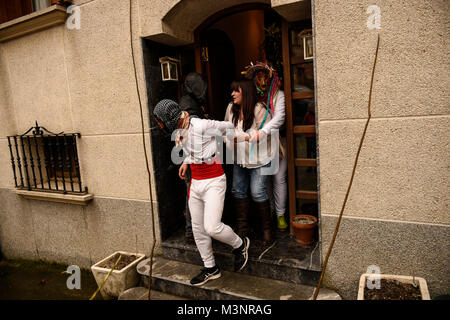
x,y
169,68
306,36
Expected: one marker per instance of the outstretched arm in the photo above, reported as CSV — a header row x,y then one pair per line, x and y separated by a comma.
x,y
222,126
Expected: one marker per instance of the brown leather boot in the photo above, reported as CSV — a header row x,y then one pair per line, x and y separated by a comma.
x,y
241,210
266,221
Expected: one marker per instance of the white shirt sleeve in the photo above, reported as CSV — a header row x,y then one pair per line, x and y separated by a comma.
x,y
188,160
279,114
222,126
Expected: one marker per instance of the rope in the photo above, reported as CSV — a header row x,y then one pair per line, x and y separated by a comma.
x,y
146,161
316,291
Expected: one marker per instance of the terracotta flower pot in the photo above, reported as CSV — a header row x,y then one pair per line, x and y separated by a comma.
x,y
304,229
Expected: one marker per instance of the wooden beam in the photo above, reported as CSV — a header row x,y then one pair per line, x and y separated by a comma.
x,y
289,121
305,162
303,194
305,129
303,95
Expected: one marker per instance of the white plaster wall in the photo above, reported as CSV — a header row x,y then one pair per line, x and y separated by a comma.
x,y
83,81
80,81
396,216
403,167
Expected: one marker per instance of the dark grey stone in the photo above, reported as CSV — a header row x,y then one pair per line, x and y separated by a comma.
x,y
286,260
173,277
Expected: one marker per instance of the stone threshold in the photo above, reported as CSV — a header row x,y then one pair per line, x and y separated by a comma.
x,y
285,260
173,277
36,21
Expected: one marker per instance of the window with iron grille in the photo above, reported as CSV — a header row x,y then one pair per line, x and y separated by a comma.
x,y
45,161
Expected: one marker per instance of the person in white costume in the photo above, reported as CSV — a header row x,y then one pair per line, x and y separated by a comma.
x,y
268,86
208,185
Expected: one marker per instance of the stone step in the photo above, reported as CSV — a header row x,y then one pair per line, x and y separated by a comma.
x,y
285,260
173,277
141,293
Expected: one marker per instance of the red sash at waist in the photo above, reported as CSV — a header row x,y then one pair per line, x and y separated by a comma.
x,y
206,171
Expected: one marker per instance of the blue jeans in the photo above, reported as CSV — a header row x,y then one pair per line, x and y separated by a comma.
x,y
244,177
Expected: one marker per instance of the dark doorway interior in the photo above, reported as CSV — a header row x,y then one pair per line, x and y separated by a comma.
x,y
219,70
232,42
170,189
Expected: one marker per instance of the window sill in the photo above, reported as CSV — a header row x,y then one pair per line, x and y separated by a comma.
x,y
33,22
82,199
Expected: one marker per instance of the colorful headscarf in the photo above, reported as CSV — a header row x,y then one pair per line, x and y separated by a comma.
x,y
275,85
253,69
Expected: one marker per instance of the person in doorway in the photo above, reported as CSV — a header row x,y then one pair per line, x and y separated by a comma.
x,y
208,185
193,102
247,114
269,91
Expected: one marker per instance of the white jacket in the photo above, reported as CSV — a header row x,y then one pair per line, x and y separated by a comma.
x,y
279,114
245,157
199,142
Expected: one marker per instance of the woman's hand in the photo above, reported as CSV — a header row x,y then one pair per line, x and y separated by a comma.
x,y
241,136
182,171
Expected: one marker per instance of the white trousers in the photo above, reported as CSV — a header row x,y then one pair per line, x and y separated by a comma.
x,y
206,199
280,187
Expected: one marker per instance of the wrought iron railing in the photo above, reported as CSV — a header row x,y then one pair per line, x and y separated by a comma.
x,y
46,161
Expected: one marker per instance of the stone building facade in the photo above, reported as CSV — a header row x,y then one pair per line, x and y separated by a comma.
x,y
82,80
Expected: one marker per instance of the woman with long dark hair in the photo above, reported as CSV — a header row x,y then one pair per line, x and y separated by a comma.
x,y
247,115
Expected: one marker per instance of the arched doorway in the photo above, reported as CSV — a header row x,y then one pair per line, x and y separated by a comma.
x,y
224,44
245,29
229,41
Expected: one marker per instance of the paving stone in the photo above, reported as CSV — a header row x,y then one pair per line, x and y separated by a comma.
x,y
284,260
141,293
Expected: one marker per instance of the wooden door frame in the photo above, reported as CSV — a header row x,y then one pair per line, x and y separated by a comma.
x,y
204,69
289,121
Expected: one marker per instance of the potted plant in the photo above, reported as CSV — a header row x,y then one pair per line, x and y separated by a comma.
x,y
393,287
304,229
123,275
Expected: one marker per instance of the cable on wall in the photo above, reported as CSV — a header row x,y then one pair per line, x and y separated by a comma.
x,y
316,291
146,160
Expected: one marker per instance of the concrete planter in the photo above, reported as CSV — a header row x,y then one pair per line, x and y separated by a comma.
x,y
119,280
405,279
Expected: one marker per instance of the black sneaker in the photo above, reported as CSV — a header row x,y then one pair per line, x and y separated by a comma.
x,y
205,275
241,254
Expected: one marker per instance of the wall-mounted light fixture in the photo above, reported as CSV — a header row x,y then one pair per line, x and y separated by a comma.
x,y
308,47
169,68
